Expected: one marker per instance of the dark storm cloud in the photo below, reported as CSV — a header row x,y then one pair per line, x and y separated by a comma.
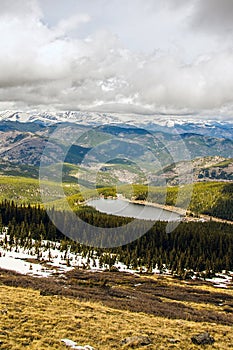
x,y
214,15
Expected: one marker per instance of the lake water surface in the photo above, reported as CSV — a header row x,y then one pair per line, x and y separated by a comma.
x,y
121,207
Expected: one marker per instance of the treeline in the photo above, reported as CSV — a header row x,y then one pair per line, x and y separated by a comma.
x,y
191,246
223,207
36,222
25,221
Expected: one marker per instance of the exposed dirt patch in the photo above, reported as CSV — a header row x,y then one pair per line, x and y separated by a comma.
x,y
125,291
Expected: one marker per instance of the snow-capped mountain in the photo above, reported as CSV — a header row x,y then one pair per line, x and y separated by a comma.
x,y
164,123
47,119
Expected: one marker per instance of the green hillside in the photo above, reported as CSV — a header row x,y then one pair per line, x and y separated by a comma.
x,y
213,198
27,190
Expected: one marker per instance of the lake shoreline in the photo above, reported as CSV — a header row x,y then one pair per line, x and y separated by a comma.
x,y
172,209
182,212
176,210
147,209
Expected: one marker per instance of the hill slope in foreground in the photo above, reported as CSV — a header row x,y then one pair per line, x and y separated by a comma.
x,y
40,319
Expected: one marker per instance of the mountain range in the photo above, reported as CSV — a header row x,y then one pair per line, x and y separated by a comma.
x,y
120,148
165,123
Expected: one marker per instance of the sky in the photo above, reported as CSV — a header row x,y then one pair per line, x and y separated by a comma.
x,y
125,56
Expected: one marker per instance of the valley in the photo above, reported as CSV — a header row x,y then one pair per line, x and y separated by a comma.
x,y
116,175
164,276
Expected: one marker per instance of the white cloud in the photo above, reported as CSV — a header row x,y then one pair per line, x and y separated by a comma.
x,y
43,66
69,24
20,9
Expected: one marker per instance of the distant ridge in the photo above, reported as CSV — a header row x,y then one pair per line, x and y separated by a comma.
x,y
165,123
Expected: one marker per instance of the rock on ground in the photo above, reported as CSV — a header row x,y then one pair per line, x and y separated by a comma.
x,y
202,339
136,341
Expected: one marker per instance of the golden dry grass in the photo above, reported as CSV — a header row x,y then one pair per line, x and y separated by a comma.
x,y
31,321
171,281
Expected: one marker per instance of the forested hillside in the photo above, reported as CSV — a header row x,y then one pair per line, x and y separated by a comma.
x,y
212,198
191,246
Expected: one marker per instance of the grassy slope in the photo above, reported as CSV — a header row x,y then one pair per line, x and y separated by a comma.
x,y
27,190
204,195
223,164
19,189
39,322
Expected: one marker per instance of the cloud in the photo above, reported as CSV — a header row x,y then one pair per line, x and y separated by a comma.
x,y
20,8
72,23
42,66
214,16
